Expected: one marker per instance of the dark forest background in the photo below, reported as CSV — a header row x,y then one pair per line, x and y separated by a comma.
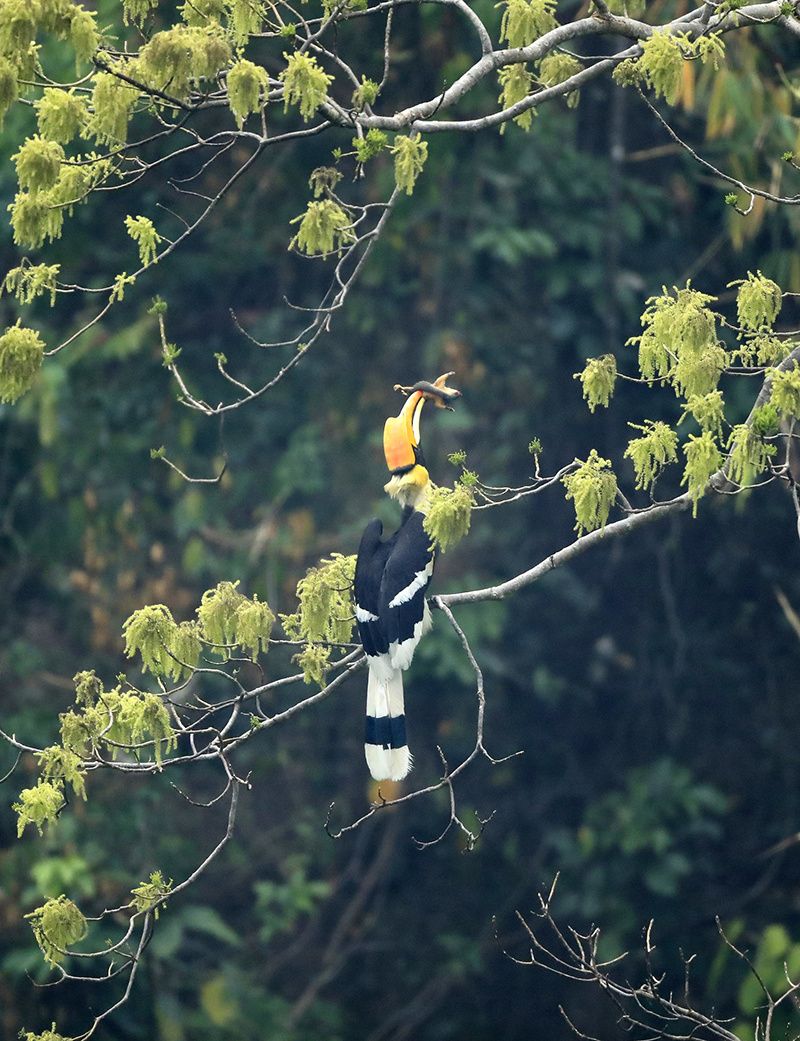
x,y
653,685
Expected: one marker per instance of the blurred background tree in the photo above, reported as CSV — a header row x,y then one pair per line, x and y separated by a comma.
x,y
652,686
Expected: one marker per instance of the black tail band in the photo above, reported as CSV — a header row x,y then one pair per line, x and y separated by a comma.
x,y
386,731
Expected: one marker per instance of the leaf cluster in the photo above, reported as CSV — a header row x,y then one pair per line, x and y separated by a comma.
x,y
449,514
515,83
147,239
325,228
305,83
650,453
593,490
524,21
151,895
57,925
598,380
703,459
410,153
21,354
247,84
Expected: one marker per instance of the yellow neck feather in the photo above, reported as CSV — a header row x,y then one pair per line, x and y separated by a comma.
x,y
411,489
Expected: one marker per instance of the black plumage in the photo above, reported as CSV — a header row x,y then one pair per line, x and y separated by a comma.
x,y
384,570
391,579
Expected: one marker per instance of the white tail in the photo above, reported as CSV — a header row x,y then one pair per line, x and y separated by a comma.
x,y
388,757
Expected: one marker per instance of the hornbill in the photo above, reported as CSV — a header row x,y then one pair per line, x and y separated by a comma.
x,y
391,578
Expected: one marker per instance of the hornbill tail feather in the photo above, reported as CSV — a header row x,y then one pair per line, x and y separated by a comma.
x,y
385,747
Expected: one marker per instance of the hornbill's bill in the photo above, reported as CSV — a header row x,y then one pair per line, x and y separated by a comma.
x,y
391,578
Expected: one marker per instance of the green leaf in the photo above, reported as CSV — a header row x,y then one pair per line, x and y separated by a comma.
x,y
593,490
305,84
57,925
703,459
324,228
410,154
651,452
598,380
248,84
21,355
448,516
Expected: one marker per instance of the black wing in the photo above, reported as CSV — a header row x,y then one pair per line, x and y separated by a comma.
x,y
402,610
370,563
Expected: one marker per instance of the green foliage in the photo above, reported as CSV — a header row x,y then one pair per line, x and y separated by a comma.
x,y
83,34
765,420
679,343
758,301
627,73
39,216
61,114
88,687
524,21
57,925
709,48
185,646
151,895
555,68
9,88
707,410
144,234
410,153
137,11
280,905
254,621
245,17
305,83
784,389
229,619
246,84
29,281
449,515
642,834
21,354
651,452
598,380
776,957
178,58
748,455
39,806
593,490
516,83
120,719
325,611
324,228
366,93
46,1035
149,633
323,180
218,612
121,282
703,459
371,145
62,764
112,106
314,660
661,64
762,349
38,163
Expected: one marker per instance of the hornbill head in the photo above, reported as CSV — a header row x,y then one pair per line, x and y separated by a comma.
x,y
401,434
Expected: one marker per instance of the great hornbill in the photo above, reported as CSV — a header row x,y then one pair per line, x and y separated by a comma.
x,y
391,578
